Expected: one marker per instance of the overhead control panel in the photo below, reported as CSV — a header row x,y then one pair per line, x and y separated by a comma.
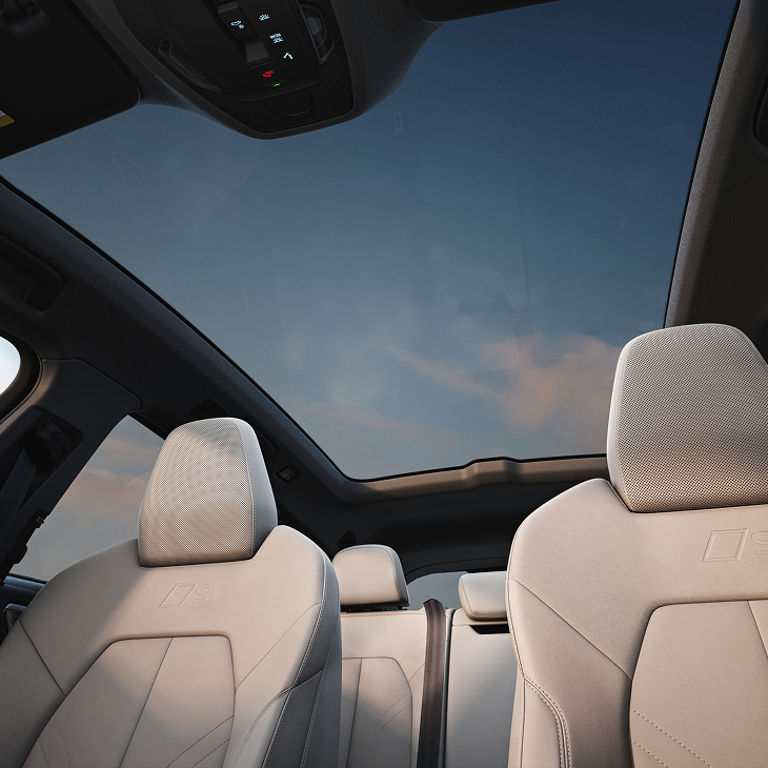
x,y
271,64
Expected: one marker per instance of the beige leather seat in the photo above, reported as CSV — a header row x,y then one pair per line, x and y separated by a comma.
x,y
383,648
211,641
639,607
481,676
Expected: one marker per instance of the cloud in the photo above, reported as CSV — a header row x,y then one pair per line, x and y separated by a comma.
x,y
554,388
128,456
100,493
568,393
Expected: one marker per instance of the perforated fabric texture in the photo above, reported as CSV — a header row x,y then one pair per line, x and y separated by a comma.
x,y
370,574
688,427
209,499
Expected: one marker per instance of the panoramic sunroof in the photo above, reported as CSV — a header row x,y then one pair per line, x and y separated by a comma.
x,y
449,277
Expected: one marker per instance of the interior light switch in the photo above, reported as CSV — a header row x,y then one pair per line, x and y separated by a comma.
x,y
235,21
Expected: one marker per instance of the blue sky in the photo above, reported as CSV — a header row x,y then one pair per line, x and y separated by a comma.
x,y
448,277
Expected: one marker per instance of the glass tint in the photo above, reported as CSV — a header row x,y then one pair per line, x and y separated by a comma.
x,y
100,508
449,277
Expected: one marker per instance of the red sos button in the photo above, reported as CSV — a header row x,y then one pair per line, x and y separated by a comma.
x,y
267,74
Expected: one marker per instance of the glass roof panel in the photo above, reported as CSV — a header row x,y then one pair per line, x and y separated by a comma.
x,y
449,277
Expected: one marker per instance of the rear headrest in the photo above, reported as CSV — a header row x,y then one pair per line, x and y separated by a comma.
x,y
370,575
483,597
688,426
209,499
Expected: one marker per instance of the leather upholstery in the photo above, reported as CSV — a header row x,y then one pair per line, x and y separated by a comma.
x,y
482,596
370,575
382,684
228,664
637,636
209,499
383,666
481,677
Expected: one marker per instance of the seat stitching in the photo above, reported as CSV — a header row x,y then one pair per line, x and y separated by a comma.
x,y
198,741
209,754
354,713
40,656
655,757
380,726
547,605
255,722
317,622
464,598
274,645
669,735
757,626
316,704
42,752
61,739
149,693
558,723
281,721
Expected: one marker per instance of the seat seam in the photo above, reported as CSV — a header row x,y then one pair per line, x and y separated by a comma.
x,y
655,757
198,741
568,623
255,723
316,629
522,724
559,721
464,597
42,752
61,739
316,704
274,645
757,627
380,726
281,721
143,707
669,735
209,754
354,713
40,656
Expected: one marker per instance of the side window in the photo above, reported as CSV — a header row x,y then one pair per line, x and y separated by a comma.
x,y
10,364
439,586
101,506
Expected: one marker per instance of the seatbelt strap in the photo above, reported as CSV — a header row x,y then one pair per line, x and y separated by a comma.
x,y
431,731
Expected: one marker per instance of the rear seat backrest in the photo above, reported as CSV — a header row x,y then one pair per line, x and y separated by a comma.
x,y
481,676
383,649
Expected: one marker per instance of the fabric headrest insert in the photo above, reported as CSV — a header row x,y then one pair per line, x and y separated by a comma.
x,y
370,575
483,597
209,499
688,426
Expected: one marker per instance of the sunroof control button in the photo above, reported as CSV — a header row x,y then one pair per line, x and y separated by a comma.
x,y
235,21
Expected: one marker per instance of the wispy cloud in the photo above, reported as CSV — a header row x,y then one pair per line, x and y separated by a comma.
x,y
560,385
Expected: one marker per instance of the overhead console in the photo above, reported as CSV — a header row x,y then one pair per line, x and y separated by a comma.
x,y
266,68
274,65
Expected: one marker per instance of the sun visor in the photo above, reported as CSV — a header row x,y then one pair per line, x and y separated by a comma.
x,y
61,76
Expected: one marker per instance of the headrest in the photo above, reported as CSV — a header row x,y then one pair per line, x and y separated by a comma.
x,y
688,426
209,499
483,596
370,575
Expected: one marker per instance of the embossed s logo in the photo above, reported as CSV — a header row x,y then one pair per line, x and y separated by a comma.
x,y
186,593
